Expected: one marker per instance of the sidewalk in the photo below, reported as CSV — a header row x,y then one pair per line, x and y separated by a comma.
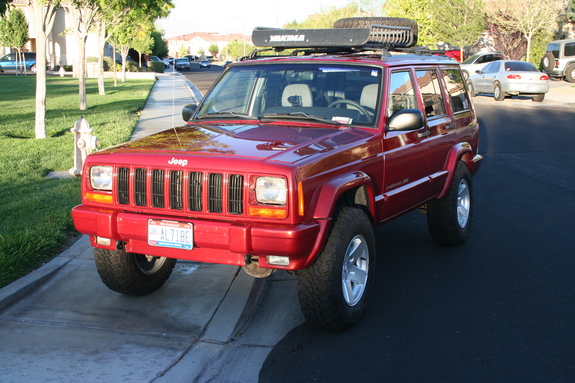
x,y
61,323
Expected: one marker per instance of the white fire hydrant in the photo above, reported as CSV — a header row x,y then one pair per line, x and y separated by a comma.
x,y
84,144
62,71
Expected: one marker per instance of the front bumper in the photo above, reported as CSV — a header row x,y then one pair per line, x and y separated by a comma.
x,y
214,241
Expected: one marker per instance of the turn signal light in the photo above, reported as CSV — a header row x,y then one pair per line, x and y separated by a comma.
x,y
99,197
267,212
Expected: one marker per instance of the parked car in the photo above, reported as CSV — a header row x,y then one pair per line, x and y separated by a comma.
x,y
191,58
11,61
478,61
204,64
291,164
506,77
559,59
182,63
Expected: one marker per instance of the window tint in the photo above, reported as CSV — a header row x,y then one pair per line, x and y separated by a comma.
x,y
569,49
520,66
430,92
494,67
456,90
401,92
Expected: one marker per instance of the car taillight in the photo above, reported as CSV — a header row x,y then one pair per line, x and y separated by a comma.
x,y
556,63
514,76
544,78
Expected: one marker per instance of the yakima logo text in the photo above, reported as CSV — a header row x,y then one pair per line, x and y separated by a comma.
x,y
275,38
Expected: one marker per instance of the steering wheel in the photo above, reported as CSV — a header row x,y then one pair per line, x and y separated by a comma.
x,y
355,104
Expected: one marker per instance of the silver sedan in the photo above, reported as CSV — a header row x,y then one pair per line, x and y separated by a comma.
x,y
509,78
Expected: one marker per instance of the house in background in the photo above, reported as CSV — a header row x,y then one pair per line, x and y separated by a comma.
x,y
61,46
194,43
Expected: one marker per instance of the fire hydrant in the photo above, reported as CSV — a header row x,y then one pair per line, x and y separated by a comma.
x,y
84,144
62,71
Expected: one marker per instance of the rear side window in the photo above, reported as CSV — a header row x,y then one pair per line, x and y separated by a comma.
x,y
569,49
456,90
430,90
553,48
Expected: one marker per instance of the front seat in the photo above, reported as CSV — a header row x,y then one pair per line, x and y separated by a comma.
x,y
369,96
297,95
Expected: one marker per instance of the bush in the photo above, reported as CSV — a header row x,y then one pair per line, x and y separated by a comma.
x,y
91,59
156,66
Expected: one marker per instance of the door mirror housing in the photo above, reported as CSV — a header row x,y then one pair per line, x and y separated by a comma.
x,y
188,111
404,120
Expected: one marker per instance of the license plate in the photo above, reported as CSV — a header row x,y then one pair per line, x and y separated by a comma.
x,y
177,235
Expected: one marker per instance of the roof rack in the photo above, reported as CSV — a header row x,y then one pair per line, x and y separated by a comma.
x,y
338,40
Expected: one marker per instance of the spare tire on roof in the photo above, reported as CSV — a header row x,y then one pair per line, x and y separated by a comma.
x,y
366,22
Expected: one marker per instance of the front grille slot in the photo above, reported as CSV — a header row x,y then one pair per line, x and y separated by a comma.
x,y
140,187
176,190
235,194
193,191
215,193
124,186
157,188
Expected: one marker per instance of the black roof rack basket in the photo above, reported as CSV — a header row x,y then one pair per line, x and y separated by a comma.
x,y
373,36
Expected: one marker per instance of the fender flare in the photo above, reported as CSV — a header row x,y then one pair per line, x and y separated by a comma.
x,y
325,199
461,151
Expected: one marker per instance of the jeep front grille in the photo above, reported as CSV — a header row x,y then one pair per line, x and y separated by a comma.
x,y
180,190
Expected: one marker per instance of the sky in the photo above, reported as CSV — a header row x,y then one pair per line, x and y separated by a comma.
x,y
237,16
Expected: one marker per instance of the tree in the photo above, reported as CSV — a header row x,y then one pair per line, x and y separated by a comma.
x,y
43,15
82,15
511,44
143,42
214,49
182,51
458,22
530,17
4,6
325,17
419,10
14,32
160,47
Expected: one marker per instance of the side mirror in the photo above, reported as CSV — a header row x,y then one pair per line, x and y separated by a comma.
x,y
188,111
478,71
405,119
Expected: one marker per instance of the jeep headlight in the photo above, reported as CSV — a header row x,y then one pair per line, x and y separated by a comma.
x,y
101,177
271,190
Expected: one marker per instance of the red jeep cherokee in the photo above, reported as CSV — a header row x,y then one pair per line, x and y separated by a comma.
x,y
290,162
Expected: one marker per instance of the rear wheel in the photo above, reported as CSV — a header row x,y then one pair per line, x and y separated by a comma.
x,y
497,93
132,273
570,73
333,291
448,218
539,97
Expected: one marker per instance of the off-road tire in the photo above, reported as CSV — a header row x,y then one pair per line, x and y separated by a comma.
x,y
364,22
539,97
131,273
498,94
329,299
570,73
449,218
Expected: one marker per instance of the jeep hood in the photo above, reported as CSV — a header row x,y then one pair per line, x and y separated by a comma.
x,y
285,143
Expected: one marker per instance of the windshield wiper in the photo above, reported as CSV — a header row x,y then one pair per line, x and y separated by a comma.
x,y
227,114
302,116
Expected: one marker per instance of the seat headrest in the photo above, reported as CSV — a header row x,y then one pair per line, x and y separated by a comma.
x,y
369,96
297,95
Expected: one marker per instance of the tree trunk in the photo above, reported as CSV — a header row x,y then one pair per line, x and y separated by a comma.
x,y
101,45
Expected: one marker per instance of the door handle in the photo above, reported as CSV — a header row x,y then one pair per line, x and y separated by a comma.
x,y
425,133
450,126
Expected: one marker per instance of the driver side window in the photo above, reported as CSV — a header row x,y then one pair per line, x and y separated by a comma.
x,y
401,92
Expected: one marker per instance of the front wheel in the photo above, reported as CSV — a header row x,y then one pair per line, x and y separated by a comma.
x,y
333,291
449,218
131,273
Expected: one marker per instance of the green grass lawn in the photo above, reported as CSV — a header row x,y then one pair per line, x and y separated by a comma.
x,y
35,220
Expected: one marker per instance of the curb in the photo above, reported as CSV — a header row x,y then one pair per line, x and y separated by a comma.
x,y
26,285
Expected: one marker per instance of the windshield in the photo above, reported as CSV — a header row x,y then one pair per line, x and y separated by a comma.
x,y
334,94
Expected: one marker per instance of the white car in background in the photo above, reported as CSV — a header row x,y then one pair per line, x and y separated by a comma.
x,y
510,78
478,61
